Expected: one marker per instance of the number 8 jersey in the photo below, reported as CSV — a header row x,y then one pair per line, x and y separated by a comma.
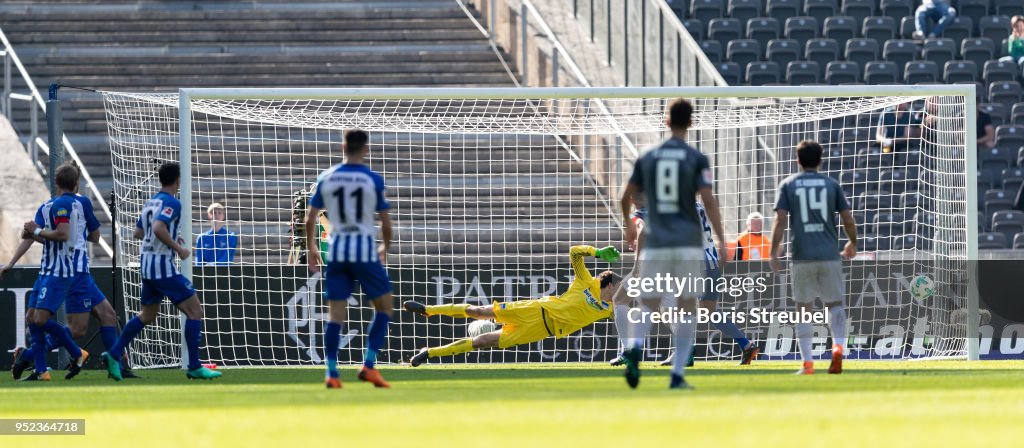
x,y
812,200
670,175
352,194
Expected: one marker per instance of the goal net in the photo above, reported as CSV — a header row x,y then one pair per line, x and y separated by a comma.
x,y
491,187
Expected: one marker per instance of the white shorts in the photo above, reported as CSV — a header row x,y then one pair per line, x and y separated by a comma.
x,y
818,279
686,263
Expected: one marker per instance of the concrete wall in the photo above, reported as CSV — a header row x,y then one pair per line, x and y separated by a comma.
x,y
23,189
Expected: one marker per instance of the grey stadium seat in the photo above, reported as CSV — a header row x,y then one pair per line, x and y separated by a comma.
x,y
1005,92
821,51
896,8
1008,8
996,28
991,241
1010,137
1018,241
1009,223
881,72
997,111
993,206
1012,179
705,10
858,9
713,49
803,72
763,29
959,29
744,10
939,50
899,51
842,72
783,9
996,71
840,28
921,72
783,51
743,51
730,71
820,9
695,27
1017,114
972,8
907,27
724,30
880,28
978,50
995,160
801,28
863,51
960,71
761,73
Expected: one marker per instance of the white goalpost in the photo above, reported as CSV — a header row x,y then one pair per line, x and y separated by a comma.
x,y
490,187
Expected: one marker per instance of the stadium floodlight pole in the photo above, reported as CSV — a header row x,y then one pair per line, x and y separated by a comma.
x,y
185,160
971,178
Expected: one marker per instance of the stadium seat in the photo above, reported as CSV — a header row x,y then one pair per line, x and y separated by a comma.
x,y
842,72
695,27
996,71
862,51
744,10
730,71
724,30
907,27
743,51
978,50
705,10
803,72
858,9
761,73
997,111
763,30
713,50
880,28
801,28
959,72
1018,241
881,72
888,223
994,27
783,51
921,72
939,50
894,180
994,195
680,7
995,160
994,206
820,9
1017,114
906,242
987,241
959,29
899,51
783,9
1006,92
839,28
972,8
909,200
1008,8
1008,222
1008,138
986,181
896,8
821,51
1012,179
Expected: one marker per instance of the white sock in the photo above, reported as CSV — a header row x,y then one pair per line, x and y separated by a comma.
x,y
837,322
683,335
804,334
622,327
640,329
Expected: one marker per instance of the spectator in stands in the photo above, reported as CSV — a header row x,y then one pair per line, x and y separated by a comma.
x,y
752,244
986,132
937,10
896,127
1015,43
217,246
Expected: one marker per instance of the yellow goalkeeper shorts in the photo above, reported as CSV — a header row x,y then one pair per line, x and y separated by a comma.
x,y
522,322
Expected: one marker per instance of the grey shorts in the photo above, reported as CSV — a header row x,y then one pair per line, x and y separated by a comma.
x,y
679,262
818,279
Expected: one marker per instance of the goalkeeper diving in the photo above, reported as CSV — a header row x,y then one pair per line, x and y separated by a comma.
x,y
529,321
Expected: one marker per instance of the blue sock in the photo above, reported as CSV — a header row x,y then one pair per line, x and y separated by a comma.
x,y
332,338
731,330
378,332
50,345
109,336
63,335
131,330
193,334
38,347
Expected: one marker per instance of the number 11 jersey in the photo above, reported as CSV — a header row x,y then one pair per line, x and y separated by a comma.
x,y
352,194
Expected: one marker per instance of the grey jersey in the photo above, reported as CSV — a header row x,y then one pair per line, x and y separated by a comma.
x,y
670,175
812,200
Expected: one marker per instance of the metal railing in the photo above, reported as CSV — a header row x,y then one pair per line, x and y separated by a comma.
x,y
36,143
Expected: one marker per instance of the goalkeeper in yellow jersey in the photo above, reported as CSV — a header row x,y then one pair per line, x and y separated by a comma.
x,y
528,321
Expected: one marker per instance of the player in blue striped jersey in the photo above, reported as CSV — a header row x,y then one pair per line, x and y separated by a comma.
x,y
55,226
157,227
353,196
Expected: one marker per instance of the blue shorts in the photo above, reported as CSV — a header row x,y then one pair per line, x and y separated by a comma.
x,y
50,292
712,294
176,288
340,280
84,294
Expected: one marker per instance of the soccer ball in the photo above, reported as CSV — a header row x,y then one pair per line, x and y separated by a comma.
x,y
922,287
479,327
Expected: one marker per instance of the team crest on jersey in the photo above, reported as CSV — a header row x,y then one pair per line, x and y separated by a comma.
x,y
62,212
168,212
708,176
594,303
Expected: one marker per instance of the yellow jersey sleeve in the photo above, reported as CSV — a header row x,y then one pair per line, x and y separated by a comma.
x,y
579,267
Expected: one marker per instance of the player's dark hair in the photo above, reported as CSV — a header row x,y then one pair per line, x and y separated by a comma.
x,y
680,114
355,141
169,173
608,278
67,176
809,153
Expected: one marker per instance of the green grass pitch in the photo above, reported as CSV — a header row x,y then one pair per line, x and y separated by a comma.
x,y
874,403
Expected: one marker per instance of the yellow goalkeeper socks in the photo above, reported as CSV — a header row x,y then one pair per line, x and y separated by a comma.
x,y
453,310
455,348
